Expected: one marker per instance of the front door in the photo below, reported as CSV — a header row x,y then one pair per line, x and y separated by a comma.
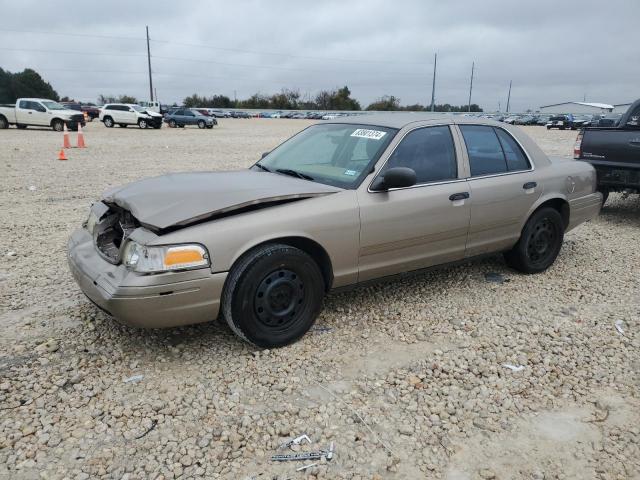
x,y
411,228
503,188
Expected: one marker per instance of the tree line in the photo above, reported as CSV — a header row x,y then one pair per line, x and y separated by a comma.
x,y
29,83
339,99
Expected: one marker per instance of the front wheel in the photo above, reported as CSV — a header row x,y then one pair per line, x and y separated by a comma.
x,y
273,295
57,125
172,123
201,124
142,123
539,243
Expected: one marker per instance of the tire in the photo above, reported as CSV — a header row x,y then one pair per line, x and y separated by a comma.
x,y
172,123
108,122
273,295
4,123
122,125
548,128
57,125
605,195
142,123
201,124
539,243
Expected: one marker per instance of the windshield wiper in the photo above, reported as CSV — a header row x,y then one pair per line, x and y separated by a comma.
x,y
294,173
259,165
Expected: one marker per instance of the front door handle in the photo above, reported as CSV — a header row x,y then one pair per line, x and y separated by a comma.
x,y
459,196
530,185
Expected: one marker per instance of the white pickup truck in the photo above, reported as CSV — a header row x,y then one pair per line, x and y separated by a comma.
x,y
39,112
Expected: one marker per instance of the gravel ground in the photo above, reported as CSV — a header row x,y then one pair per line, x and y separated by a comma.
x,y
406,378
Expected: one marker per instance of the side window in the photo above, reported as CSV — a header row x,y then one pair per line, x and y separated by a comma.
x,y
178,112
516,159
24,104
484,149
430,152
189,113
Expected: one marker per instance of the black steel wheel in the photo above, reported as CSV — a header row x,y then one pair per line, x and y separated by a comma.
x,y
273,295
539,243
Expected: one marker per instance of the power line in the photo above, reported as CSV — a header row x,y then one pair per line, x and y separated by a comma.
x,y
182,59
214,47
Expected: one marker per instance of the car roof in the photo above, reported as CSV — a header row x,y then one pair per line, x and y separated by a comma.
x,y
400,120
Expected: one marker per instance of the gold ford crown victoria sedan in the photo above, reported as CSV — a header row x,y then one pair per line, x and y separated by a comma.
x,y
340,203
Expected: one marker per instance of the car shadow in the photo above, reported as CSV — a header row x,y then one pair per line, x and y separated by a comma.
x,y
621,210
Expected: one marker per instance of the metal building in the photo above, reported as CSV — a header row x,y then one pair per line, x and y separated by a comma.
x,y
577,107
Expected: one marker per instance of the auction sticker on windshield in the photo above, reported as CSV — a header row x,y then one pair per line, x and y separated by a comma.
x,y
370,134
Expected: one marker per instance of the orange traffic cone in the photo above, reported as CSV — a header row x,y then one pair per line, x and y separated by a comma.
x,y
61,155
80,137
66,143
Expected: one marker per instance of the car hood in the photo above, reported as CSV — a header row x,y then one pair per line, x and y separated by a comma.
x,y
180,199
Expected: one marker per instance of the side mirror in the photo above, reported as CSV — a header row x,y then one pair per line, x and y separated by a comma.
x,y
264,155
396,177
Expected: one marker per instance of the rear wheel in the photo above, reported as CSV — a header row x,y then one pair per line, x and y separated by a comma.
x,y
4,123
273,295
605,195
539,243
108,122
57,125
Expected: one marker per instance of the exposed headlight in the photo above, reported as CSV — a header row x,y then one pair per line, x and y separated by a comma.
x,y
143,259
92,221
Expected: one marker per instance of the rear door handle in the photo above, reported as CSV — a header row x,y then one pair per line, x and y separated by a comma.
x,y
530,185
459,196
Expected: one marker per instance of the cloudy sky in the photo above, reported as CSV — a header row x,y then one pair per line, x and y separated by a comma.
x,y
553,50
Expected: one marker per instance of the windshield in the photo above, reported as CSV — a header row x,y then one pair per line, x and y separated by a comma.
x,y
53,105
137,108
334,154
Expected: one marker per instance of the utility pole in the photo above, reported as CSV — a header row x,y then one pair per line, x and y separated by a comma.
x,y
471,86
149,63
433,87
509,96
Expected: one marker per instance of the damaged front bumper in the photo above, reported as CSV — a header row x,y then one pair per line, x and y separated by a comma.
x,y
148,301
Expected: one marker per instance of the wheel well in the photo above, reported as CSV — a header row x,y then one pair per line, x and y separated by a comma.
x,y
562,206
314,250
54,120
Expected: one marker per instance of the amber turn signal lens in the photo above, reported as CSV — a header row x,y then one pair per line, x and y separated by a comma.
x,y
183,256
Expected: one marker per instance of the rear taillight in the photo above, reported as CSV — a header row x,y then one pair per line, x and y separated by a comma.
x,y
577,148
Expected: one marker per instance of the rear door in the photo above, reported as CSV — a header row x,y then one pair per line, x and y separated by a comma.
x,y
26,113
503,188
189,117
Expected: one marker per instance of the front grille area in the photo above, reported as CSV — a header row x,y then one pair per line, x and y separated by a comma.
x,y
112,231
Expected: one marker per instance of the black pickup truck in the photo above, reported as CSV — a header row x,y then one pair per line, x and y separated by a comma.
x,y
614,152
